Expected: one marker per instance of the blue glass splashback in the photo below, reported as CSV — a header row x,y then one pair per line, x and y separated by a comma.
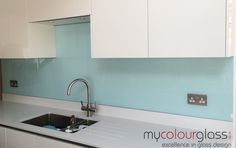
x,y
159,85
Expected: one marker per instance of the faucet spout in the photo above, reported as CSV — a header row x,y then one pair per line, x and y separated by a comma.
x,y
89,107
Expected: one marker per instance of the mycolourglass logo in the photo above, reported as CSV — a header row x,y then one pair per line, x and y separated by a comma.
x,y
175,134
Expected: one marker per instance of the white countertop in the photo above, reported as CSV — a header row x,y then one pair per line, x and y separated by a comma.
x,y
107,133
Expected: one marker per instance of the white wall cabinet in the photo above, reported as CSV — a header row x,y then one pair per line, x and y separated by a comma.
x,y
119,28
41,10
159,28
2,137
3,23
20,39
18,139
187,28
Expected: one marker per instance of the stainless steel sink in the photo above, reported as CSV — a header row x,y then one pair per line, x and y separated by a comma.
x,y
60,122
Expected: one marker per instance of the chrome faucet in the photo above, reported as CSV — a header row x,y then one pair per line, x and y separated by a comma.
x,y
89,107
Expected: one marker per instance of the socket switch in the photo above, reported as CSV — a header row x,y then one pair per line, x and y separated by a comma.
x,y
197,99
13,83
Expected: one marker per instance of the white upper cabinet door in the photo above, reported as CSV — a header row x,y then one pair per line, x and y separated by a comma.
x,y
17,41
119,29
187,28
21,39
4,26
41,10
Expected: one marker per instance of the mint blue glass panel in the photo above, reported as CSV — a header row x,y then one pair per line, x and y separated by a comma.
x,y
159,85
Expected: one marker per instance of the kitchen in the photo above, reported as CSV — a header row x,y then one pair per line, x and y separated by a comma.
x,y
140,75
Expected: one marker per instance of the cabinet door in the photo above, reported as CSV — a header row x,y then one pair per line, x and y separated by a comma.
x,y
16,139
20,39
17,44
40,10
3,23
2,138
119,28
42,142
187,28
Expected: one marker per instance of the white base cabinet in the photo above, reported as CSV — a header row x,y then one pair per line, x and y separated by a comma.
x,y
50,143
18,139
2,137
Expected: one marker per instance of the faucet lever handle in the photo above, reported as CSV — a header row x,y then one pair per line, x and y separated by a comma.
x,y
95,106
92,107
82,104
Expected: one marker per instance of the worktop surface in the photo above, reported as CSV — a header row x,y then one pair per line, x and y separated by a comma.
x,y
109,132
